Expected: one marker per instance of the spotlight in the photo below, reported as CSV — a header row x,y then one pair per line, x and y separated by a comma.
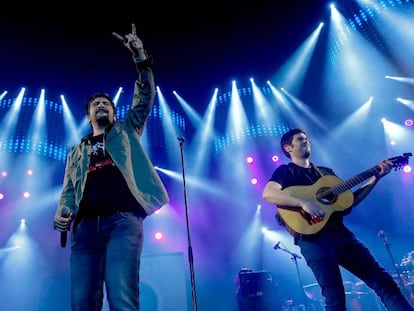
x,y
158,235
275,158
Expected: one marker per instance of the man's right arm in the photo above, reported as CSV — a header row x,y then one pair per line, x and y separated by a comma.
x,y
61,221
274,194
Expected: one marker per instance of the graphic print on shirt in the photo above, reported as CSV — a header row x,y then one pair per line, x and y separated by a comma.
x,y
98,150
98,158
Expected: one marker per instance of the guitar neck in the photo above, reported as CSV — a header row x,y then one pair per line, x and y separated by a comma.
x,y
354,181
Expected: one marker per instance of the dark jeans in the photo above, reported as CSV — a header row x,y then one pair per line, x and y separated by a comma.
x,y
326,253
106,250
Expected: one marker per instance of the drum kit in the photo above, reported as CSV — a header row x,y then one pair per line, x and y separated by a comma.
x,y
407,269
359,296
406,275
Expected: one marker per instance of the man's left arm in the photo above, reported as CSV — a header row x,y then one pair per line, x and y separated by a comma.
x,y
385,167
144,89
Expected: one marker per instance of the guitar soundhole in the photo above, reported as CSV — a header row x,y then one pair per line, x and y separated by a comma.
x,y
325,196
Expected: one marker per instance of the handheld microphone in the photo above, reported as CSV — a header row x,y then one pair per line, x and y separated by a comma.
x,y
277,245
64,235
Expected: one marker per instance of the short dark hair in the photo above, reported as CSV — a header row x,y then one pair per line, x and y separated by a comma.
x,y
96,95
288,137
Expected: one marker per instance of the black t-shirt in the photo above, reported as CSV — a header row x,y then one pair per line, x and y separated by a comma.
x,y
290,174
106,191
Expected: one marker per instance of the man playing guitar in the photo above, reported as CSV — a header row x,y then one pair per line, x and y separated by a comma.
x,y
332,244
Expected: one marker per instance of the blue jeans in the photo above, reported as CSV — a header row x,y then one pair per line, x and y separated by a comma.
x,y
325,254
106,250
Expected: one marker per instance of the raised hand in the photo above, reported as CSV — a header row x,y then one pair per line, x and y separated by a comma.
x,y
132,42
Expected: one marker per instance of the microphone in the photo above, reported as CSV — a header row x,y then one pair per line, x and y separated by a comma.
x,y
181,139
64,235
277,245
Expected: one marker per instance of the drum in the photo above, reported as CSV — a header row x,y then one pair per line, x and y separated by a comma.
x,y
407,267
363,298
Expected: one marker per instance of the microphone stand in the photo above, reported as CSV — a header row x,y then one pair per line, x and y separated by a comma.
x,y
190,249
295,258
387,244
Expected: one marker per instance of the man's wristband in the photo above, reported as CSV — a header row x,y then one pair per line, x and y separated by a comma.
x,y
144,63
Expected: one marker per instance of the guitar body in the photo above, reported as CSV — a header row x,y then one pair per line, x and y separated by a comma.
x,y
300,221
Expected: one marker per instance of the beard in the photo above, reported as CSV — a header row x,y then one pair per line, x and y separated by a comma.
x,y
103,120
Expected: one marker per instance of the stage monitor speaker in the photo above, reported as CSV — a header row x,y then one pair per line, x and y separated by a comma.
x,y
163,283
256,291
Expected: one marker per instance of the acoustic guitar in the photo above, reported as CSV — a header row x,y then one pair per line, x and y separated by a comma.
x,y
331,194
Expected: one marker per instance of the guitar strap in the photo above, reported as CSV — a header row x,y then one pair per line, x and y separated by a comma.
x,y
317,169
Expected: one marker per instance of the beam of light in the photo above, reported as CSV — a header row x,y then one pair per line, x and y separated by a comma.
x,y
397,23
200,183
401,79
237,118
204,136
37,136
72,132
398,138
292,73
46,199
2,95
264,112
192,115
282,103
279,96
8,249
248,247
359,116
349,52
22,261
10,119
39,119
117,96
9,123
238,130
406,102
305,114
343,137
171,132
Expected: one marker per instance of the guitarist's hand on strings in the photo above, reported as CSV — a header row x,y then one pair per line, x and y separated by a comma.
x,y
316,213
